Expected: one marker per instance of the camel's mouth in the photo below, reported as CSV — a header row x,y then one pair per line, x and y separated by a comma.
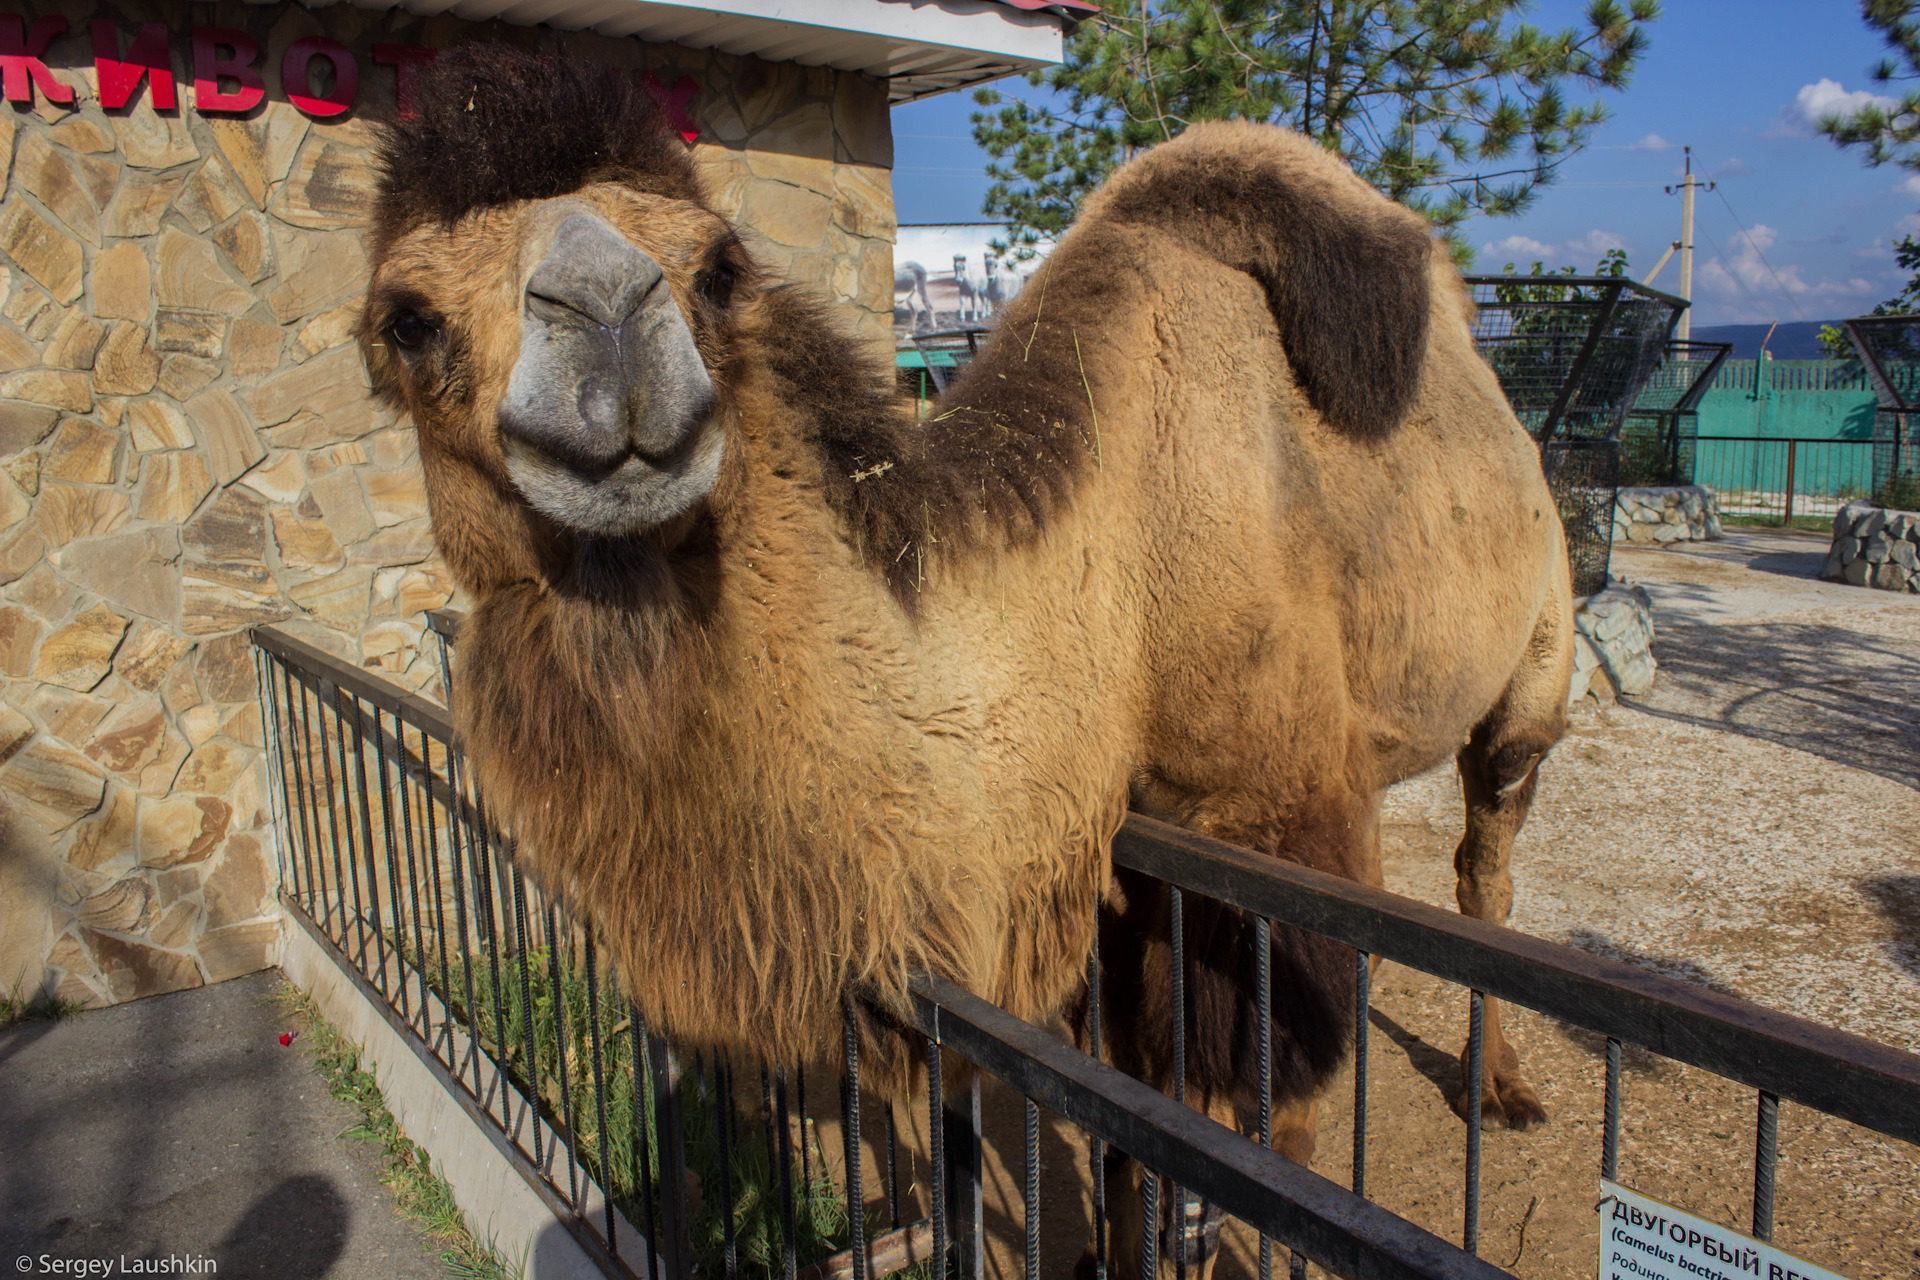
x,y
611,424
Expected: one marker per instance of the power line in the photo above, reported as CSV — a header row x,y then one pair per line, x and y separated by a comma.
x,y
1761,254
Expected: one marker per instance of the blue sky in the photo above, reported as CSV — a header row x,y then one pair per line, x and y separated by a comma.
x,y
1797,229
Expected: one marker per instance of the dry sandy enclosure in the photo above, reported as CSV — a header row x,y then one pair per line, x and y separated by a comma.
x,y
1753,824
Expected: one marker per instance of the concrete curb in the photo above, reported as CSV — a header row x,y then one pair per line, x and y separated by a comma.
x,y
499,1205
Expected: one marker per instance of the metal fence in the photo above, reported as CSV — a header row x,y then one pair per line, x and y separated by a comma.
x,y
1889,347
1657,435
663,1164
1783,480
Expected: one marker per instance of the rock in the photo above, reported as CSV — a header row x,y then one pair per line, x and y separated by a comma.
x,y
15,732
1830,568
253,347
214,768
335,383
125,365
75,340
67,715
176,929
210,196
147,654
24,470
189,277
306,544
1906,555
241,885
226,671
24,425
231,443
247,245
79,655
52,786
396,496
181,829
133,970
240,949
155,424
151,141
67,512
1856,572
261,149
135,570
20,550
337,497
171,486
430,586
1889,577
139,204
785,215
328,329
217,598
45,172
107,838
122,284
281,479
199,333
42,250
316,271
55,388
184,376
1871,521
16,352
329,187
232,530
1849,549
83,453
339,600
130,738
19,632
125,906
15,506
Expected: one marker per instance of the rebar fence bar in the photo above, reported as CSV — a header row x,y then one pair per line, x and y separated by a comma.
x,y
1763,477
1657,435
665,1163
1889,347
1572,354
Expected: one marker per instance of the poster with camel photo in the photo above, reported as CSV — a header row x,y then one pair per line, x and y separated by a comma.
x,y
947,276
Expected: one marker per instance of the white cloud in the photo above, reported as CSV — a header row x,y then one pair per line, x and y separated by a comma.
x,y
1910,185
1824,99
1743,283
1734,168
1653,142
1581,251
1523,246
1596,243
1909,225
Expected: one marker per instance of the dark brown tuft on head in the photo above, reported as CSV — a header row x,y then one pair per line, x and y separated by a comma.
x,y
495,125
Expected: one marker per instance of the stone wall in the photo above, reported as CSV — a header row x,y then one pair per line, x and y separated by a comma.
x,y
1666,513
1612,644
187,448
1874,547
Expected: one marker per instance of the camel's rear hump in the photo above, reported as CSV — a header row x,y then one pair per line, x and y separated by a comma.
x,y
1345,269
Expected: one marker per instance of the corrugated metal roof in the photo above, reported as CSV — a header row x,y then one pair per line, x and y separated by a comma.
x,y
921,47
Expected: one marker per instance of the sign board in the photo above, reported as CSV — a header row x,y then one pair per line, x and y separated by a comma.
x,y
948,276
1643,1239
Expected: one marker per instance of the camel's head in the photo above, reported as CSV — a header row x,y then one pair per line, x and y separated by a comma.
x,y
555,304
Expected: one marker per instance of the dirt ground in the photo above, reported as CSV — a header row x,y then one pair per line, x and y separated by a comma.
x,y
1753,824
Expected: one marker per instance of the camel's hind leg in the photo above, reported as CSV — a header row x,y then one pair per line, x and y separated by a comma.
x,y
1499,767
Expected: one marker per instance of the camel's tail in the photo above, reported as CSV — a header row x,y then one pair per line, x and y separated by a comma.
x,y
1345,270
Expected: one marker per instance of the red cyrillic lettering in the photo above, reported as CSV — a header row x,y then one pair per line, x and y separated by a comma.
x,y
296,74
148,56
405,59
21,69
673,103
209,68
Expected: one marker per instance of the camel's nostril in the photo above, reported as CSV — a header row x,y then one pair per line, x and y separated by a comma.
x,y
591,273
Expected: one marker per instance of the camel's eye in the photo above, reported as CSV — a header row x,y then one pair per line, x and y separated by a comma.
x,y
410,329
719,286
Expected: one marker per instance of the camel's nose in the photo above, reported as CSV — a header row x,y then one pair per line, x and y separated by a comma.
x,y
608,368
594,272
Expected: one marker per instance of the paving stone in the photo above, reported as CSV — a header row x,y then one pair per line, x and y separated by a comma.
x,y
210,196
181,829
51,785
200,333
139,204
261,149
247,244
66,512
122,284
155,424
125,365
57,389
188,275
137,570
107,838
74,341
151,141
183,376
147,654
172,485
79,655
83,452
40,169
231,443
42,250
316,271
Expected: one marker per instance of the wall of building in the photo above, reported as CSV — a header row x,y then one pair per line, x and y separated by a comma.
x,y
187,449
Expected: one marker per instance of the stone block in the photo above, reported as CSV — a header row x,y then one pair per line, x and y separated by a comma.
x,y
154,424
329,187
52,785
396,496
428,587
172,486
306,545
75,340
1905,554
1870,522
340,600
328,329
137,570
316,271
133,970
336,381
24,425
106,839
19,633
185,376
82,452
402,544
67,715
131,737
55,388
147,654
149,140
247,244
217,598
225,668
240,949
67,512
211,196
24,470
84,135
16,352
261,149
79,655
176,929
188,276
338,499
1888,576
200,333
45,172
281,479
253,347
231,443
181,829
214,767
124,906
42,250
20,550
232,530
125,365
140,202
241,884
122,284
1856,573
1876,550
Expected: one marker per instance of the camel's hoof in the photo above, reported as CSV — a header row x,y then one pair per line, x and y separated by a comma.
x,y
1521,1105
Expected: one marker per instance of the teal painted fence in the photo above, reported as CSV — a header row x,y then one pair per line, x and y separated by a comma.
x,y
1799,399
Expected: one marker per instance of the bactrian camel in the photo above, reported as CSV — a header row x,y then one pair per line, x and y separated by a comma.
x,y
794,693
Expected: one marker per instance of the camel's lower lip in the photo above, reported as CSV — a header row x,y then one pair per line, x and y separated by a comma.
x,y
630,496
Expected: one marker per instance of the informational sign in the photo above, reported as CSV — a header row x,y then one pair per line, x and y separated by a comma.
x,y
1643,1239
948,276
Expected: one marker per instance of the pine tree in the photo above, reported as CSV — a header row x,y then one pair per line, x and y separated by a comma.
x,y
1452,107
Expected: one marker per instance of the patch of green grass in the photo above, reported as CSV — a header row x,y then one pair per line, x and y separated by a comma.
x,y
423,1196
41,1005
1813,524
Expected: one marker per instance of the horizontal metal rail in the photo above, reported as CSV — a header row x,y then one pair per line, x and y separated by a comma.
x,y
1870,1084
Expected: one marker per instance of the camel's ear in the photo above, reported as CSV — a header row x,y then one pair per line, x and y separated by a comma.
x,y
1345,270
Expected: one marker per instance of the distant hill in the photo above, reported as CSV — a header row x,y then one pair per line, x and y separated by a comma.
x,y
1797,341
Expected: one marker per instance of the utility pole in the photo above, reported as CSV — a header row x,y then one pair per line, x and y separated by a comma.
x,y
1688,185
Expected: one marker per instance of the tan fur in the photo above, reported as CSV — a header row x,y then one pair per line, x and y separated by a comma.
x,y
771,783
